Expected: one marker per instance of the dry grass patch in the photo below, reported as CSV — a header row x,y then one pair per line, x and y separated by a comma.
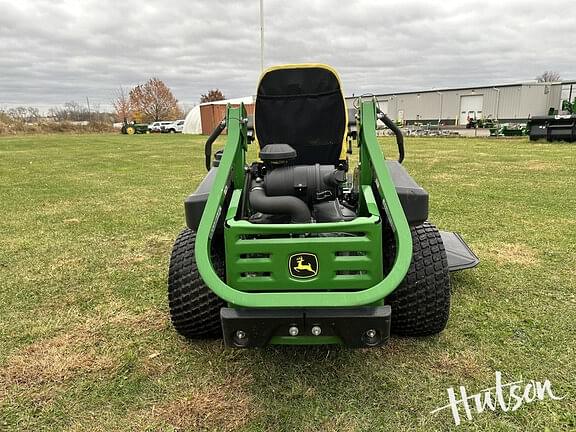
x,y
223,406
116,313
58,208
536,165
79,351
64,262
446,177
127,261
146,249
158,244
462,363
342,422
155,365
56,359
512,253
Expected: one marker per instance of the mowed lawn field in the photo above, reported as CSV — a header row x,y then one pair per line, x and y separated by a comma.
x,y
86,228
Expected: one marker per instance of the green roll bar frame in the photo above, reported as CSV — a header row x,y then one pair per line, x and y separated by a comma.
x,y
231,174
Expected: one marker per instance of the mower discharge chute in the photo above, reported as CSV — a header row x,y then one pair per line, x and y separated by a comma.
x,y
299,249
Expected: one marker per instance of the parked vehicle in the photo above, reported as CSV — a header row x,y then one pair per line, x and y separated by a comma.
x,y
158,126
555,127
134,128
176,126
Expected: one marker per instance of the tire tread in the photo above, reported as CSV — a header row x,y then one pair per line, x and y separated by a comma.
x,y
421,304
194,308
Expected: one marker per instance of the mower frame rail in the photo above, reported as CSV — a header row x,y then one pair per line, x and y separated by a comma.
x,y
231,177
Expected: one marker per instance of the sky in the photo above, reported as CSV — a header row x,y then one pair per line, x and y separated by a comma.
x,y
55,51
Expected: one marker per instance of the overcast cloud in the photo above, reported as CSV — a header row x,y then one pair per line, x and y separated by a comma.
x,y
56,51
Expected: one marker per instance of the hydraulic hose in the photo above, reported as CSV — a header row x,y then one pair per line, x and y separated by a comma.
x,y
208,146
285,204
392,126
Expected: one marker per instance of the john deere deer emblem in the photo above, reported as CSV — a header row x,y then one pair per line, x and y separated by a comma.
x,y
303,265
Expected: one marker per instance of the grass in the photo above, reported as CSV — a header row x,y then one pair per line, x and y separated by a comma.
x,y
85,341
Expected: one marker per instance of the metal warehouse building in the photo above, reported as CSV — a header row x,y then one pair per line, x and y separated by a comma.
x,y
454,106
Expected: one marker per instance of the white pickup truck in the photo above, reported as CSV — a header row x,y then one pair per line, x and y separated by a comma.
x,y
159,126
175,127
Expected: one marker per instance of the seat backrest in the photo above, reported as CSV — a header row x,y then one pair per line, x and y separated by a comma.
x,y
302,105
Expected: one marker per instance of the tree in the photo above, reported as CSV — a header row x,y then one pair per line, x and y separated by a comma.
x,y
211,96
122,106
21,114
548,76
72,111
153,101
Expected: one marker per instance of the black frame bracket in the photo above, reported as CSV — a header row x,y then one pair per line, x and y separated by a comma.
x,y
361,327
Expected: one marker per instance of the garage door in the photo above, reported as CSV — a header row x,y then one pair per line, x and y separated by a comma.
x,y
470,107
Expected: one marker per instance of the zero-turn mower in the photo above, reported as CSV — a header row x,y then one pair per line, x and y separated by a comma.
x,y
299,247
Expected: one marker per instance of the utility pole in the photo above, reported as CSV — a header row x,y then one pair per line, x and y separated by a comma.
x,y
88,103
261,35
497,112
441,105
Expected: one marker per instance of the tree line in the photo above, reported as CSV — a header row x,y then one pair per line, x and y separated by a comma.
x,y
71,111
143,103
153,101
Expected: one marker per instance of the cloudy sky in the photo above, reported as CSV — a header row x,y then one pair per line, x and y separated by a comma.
x,y
56,51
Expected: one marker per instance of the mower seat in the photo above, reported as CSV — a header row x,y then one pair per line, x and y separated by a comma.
x,y
303,106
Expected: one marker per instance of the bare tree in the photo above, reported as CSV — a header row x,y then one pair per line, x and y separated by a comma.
x,y
548,76
21,114
74,111
71,111
122,106
211,96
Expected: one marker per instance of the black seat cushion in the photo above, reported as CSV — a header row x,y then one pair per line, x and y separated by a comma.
x,y
302,106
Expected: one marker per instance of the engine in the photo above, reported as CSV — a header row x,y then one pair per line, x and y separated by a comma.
x,y
281,192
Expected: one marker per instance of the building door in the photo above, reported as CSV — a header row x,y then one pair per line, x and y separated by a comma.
x,y
470,108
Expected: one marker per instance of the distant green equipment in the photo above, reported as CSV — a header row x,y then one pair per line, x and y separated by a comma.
x,y
569,107
507,130
134,128
555,127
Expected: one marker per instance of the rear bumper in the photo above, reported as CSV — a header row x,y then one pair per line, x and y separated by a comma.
x,y
358,327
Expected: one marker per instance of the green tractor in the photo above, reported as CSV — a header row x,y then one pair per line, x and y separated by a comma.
x,y
134,128
299,247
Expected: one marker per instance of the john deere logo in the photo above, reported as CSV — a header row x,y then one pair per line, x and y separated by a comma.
x,y
303,265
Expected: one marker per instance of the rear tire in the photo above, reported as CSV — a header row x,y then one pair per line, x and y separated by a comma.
x,y
194,308
421,304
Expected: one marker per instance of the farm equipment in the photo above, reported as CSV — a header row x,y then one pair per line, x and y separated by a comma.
x,y
134,128
508,129
555,127
298,248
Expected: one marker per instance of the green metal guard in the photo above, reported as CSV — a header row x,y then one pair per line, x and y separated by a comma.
x,y
350,267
